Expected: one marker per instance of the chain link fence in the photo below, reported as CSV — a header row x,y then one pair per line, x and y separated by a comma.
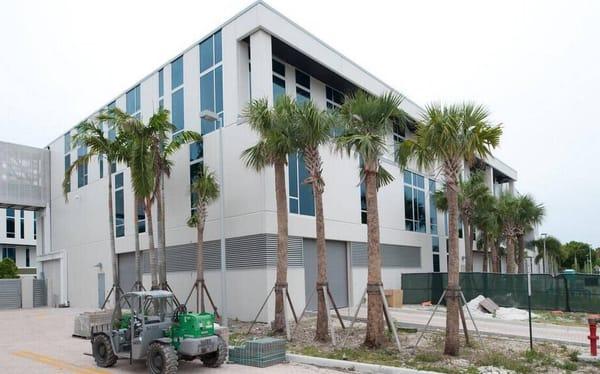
x,y
566,292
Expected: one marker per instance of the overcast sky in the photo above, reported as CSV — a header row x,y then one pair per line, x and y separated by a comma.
x,y
535,65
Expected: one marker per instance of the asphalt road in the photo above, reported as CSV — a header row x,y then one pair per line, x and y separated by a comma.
x,y
39,341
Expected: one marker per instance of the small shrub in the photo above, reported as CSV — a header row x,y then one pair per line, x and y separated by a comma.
x,y
574,356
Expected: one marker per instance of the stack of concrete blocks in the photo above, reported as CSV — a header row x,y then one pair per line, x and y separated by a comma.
x,y
84,322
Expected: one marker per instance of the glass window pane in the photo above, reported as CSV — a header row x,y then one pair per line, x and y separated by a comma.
x,y
207,93
119,180
436,263
218,52
161,83
302,95
278,68
435,244
132,100
302,79
278,88
206,54
408,203
196,151
293,174
407,177
421,210
307,200
293,205
119,213
219,89
67,138
177,110
419,181
141,216
177,73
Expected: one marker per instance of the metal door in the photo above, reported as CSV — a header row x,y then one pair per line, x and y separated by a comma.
x,y
337,271
10,293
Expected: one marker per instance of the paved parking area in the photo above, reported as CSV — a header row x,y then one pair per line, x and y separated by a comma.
x,y
40,341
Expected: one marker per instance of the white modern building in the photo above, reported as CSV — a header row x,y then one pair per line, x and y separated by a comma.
x,y
18,239
259,53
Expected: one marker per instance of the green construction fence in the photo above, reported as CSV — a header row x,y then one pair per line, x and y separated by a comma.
x,y
567,292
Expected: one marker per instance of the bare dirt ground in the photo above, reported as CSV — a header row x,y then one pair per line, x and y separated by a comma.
x,y
489,355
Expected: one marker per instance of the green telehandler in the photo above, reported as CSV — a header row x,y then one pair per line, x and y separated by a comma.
x,y
154,328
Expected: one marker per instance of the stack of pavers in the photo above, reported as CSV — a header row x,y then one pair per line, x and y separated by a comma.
x,y
260,353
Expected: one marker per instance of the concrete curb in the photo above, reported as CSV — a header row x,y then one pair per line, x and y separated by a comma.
x,y
358,367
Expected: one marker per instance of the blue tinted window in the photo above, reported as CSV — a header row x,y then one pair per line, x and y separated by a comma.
x,y
207,93
407,177
196,151
132,100
10,223
421,211
278,88
219,89
161,83
119,180
293,174
419,181
141,216
302,95
119,213
67,138
67,166
307,200
408,203
177,73
206,54
82,169
218,51
177,109
435,244
9,253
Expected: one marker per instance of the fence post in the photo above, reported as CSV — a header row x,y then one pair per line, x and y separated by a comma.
x,y
567,293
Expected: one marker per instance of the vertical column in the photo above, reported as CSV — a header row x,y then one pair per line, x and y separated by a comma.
x,y
261,60
489,178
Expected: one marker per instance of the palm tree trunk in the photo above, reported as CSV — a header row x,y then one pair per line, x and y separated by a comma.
x,y
374,336
162,254
452,294
322,333
282,246
496,268
521,256
151,248
113,250
510,255
138,254
200,258
485,253
468,245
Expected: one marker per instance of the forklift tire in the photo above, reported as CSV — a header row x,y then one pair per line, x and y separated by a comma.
x,y
162,359
103,352
217,358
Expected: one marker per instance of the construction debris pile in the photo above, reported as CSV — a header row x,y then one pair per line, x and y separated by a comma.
x,y
485,308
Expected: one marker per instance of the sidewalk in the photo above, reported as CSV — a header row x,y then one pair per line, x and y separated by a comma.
x,y
417,318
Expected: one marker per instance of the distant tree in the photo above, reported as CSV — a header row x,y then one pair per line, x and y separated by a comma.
x,y
553,252
8,269
576,254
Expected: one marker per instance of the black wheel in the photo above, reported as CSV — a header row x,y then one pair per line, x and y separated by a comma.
x,y
162,359
103,352
217,358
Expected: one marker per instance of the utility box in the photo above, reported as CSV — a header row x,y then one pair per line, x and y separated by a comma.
x,y
394,297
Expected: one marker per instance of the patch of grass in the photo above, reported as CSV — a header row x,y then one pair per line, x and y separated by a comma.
x,y
574,356
371,356
500,360
569,366
428,357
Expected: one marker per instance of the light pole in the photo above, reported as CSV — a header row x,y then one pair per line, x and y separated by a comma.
x,y
544,235
212,116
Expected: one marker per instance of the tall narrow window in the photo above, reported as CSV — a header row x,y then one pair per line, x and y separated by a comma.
x,y
301,199
141,217
278,79
161,88
435,248
414,202
27,259
82,169
302,87
433,224
177,108
211,81
334,100
67,149
10,223
196,167
34,225
101,166
363,202
22,224
119,206
133,102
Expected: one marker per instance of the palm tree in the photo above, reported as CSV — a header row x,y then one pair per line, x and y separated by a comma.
x,y
553,252
469,192
531,215
276,130
485,219
367,125
162,147
205,190
508,211
90,134
446,137
314,129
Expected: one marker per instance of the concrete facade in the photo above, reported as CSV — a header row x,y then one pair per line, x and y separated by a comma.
x,y
73,234
18,239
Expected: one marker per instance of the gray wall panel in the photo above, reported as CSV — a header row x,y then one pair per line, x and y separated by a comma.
x,y
391,255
